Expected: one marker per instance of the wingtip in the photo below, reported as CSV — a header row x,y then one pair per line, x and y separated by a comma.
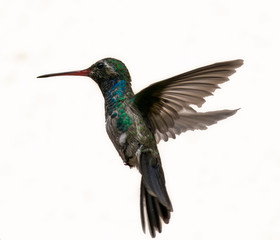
x,y
236,110
228,113
241,61
238,63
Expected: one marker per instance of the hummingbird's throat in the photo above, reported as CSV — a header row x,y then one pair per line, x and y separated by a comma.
x,y
117,94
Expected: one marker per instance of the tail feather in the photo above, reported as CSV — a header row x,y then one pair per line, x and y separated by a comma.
x,y
153,210
154,199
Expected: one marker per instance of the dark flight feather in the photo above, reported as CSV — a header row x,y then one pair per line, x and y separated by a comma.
x,y
167,104
154,199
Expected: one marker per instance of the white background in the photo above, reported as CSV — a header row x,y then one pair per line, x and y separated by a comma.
x,y
60,176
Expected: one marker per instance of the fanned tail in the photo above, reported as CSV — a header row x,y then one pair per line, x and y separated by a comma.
x,y
154,200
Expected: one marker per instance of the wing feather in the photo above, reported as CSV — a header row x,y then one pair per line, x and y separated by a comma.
x,y
166,105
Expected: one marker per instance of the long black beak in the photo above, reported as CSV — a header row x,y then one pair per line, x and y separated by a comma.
x,y
85,72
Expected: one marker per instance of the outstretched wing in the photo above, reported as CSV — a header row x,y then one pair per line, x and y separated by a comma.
x,y
166,104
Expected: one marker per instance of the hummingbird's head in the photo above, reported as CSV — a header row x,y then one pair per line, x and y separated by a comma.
x,y
108,70
104,72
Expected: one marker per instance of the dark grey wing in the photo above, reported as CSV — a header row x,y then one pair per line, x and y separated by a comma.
x,y
166,104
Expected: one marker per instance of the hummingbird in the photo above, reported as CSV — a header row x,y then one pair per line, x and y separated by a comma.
x,y
136,123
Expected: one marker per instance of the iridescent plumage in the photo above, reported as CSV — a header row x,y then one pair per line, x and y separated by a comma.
x,y
136,123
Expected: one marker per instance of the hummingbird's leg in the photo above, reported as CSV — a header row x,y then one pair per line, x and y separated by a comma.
x,y
128,162
131,161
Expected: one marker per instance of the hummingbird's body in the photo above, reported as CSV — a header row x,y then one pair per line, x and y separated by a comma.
x,y
136,123
128,132
136,144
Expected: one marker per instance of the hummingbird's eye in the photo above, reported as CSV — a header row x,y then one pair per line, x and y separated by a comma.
x,y
100,65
